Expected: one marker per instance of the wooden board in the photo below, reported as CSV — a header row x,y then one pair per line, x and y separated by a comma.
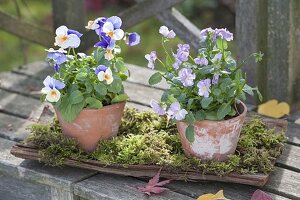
x,y
30,152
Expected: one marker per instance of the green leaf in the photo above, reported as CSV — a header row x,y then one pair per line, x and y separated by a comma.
x,y
76,97
248,89
69,111
260,97
207,69
189,133
89,87
115,86
123,76
119,98
93,102
81,76
120,66
101,89
211,116
190,118
221,43
155,78
206,101
200,115
223,110
216,92
99,54
232,112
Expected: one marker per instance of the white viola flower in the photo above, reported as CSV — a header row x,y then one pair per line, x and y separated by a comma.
x,y
65,40
109,30
93,25
166,32
109,54
52,95
106,76
51,89
82,55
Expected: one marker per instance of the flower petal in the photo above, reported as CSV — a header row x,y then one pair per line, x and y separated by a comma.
x,y
62,30
101,75
73,41
53,95
118,34
108,27
116,21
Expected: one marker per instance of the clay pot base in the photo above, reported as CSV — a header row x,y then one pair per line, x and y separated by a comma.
x,y
92,125
214,140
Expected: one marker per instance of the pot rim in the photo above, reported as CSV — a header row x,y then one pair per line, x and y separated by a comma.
x,y
94,109
104,107
224,120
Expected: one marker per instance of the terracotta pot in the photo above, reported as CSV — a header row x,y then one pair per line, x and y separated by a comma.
x,y
92,125
214,140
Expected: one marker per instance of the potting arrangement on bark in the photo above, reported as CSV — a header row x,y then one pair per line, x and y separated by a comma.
x,y
148,142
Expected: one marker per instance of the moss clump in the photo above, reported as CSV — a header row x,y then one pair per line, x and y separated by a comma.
x,y
144,138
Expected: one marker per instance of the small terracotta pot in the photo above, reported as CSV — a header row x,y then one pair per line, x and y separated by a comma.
x,y
214,140
92,125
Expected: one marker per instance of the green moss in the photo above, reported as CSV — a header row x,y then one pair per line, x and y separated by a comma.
x,y
144,138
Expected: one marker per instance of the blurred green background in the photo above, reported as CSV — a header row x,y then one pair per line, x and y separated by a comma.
x,y
15,52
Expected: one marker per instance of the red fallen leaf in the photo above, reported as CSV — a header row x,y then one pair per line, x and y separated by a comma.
x,y
154,186
260,195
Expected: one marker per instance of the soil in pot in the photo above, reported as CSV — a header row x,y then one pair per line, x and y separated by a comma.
x,y
214,140
92,125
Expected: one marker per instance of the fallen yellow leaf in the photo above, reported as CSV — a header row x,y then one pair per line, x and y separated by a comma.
x,y
218,196
274,109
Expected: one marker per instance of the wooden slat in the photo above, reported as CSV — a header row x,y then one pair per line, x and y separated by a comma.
x,y
293,134
38,70
13,128
25,30
141,75
270,26
284,182
70,13
141,94
104,186
290,158
17,105
18,83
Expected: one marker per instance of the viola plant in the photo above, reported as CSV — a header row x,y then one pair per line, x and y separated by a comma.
x,y
204,86
87,81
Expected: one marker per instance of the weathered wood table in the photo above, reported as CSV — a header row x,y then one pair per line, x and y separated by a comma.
x,y
24,179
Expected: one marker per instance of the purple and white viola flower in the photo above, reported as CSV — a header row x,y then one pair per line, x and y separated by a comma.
x,y
182,52
157,107
166,32
96,24
186,77
51,89
181,55
112,28
56,58
106,42
201,61
175,112
224,34
204,33
151,57
215,79
64,39
204,87
104,74
133,39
